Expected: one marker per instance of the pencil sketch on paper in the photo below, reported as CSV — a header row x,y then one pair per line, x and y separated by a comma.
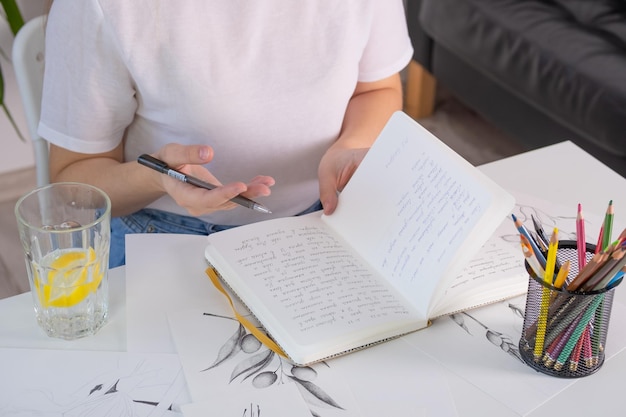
x,y
500,339
141,390
263,368
254,411
524,212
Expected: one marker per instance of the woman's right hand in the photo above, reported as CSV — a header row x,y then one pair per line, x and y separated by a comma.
x,y
132,186
198,201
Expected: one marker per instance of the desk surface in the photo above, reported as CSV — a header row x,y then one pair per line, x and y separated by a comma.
x,y
578,178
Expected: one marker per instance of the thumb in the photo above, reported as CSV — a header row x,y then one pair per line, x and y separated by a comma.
x,y
177,155
328,194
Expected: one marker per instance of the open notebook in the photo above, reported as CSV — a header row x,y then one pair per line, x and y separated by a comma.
x,y
412,216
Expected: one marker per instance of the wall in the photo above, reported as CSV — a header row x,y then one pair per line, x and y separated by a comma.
x,y
14,154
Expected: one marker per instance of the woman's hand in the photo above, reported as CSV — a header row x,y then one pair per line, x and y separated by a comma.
x,y
199,201
132,186
370,107
335,169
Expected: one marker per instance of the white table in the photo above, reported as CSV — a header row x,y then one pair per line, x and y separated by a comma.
x,y
18,327
561,172
576,177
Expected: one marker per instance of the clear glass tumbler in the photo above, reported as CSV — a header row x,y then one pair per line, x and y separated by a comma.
x,y
65,233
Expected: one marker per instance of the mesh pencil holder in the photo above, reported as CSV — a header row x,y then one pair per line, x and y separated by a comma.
x,y
565,332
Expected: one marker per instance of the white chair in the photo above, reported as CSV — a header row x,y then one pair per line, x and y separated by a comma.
x,y
28,63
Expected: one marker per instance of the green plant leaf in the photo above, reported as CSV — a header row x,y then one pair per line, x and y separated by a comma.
x,y
1,87
15,126
14,16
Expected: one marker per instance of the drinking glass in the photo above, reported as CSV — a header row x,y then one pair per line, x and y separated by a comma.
x,y
65,233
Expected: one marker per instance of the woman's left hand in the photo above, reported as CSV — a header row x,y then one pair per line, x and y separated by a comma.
x,y
335,170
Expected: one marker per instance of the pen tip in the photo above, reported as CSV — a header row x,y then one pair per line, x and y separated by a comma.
x,y
262,209
513,217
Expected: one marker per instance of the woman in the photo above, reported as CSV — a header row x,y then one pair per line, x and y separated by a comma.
x,y
275,100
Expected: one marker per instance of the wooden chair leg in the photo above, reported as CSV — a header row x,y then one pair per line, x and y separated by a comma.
x,y
419,93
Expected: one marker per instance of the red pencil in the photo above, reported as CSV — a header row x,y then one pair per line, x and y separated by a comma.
x,y
600,237
581,242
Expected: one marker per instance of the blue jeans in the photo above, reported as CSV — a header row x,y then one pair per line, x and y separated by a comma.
x,y
157,221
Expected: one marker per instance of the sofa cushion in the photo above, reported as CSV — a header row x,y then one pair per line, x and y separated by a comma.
x,y
603,16
565,57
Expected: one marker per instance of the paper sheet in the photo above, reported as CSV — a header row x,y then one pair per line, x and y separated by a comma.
x,y
284,401
484,348
218,354
394,379
89,383
164,272
477,347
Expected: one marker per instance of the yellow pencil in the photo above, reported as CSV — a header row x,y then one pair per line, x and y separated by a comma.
x,y
551,258
545,296
562,275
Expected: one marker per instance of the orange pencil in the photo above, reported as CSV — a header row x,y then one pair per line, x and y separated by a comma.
x,y
530,256
562,275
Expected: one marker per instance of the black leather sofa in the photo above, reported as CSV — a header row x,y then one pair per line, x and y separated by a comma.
x,y
543,71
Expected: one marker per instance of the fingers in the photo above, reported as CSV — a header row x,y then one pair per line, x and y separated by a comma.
x,y
196,200
199,201
177,155
328,195
260,186
335,170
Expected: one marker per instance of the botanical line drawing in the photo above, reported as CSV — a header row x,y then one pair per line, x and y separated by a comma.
x,y
255,411
263,368
525,212
500,339
138,392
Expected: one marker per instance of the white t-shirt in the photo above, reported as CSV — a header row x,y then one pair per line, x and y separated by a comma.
x,y
265,83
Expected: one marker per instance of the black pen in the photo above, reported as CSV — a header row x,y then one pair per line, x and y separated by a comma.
x,y
160,166
540,232
541,235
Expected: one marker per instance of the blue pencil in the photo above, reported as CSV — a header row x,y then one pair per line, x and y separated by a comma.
x,y
522,229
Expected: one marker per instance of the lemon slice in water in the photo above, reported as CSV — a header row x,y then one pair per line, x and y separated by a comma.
x,y
71,277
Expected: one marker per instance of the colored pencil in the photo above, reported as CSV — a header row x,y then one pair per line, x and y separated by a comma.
x,y
596,262
522,230
545,295
551,259
574,359
587,353
578,331
581,242
609,270
562,274
599,242
556,347
608,226
530,256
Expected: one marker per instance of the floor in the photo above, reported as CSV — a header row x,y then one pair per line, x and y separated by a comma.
x,y
456,125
